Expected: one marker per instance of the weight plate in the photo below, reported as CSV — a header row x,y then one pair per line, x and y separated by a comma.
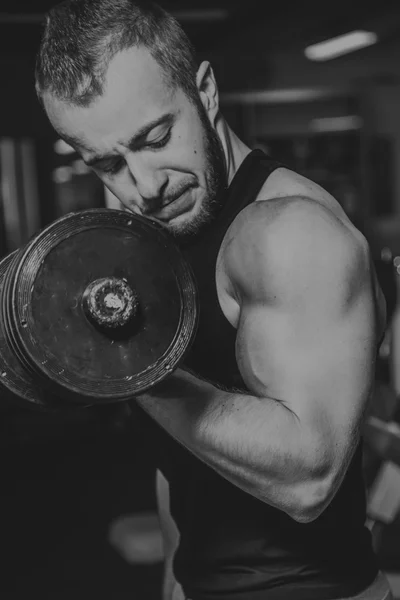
x,y
103,305
17,385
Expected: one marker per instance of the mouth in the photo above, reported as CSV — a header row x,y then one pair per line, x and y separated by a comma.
x,y
175,208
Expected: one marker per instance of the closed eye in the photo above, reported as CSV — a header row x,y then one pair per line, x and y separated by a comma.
x,y
160,143
113,167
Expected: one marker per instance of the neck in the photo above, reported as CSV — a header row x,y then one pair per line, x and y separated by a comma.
x,y
235,150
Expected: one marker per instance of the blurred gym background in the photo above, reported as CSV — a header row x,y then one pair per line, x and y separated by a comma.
x,y
72,492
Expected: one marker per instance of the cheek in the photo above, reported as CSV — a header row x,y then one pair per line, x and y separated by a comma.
x,y
190,139
191,155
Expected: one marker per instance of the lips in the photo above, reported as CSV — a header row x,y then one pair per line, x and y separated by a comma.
x,y
174,208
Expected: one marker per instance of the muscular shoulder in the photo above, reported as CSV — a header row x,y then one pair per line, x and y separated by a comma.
x,y
280,248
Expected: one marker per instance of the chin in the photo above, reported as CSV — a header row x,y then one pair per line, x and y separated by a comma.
x,y
183,221
181,226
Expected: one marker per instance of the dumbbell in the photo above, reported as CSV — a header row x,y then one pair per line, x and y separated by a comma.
x,y
96,308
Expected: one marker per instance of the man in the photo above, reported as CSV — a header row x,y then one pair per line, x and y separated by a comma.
x,y
257,437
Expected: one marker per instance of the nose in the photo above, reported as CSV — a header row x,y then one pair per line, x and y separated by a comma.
x,y
150,181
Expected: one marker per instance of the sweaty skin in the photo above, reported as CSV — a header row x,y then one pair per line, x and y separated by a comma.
x,y
293,276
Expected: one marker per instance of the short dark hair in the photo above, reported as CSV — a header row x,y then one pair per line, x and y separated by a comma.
x,y
82,36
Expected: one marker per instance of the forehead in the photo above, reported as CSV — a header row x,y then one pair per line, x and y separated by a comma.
x,y
135,92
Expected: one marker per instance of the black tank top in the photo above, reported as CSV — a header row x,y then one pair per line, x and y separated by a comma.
x,y
232,545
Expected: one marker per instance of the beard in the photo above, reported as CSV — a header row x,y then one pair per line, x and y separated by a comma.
x,y
216,186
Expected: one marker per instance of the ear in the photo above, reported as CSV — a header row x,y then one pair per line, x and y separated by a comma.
x,y
208,90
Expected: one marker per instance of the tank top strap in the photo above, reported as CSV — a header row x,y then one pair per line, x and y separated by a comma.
x,y
247,183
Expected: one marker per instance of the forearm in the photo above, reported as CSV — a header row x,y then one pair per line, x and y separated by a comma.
x,y
256,443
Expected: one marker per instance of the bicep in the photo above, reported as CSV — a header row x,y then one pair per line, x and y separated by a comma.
x,y
319,365
307,334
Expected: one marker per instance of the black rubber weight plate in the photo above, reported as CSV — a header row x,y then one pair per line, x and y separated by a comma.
x,y
53,333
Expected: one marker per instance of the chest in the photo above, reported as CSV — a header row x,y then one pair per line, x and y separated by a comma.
x,y
213,352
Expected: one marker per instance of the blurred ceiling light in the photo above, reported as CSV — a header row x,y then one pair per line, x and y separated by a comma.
x,y
346,123
61,147
283,96
195,16
342,44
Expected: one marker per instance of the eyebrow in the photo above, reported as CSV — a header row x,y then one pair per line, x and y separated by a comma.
x,y
135,139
